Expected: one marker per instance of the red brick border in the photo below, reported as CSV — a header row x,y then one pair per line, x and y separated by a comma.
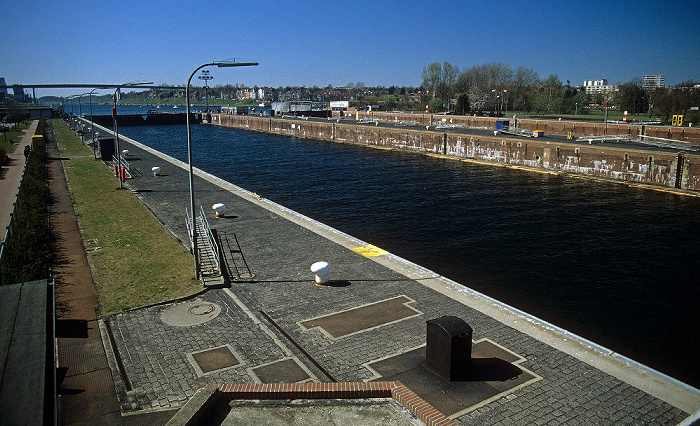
x,y
337,390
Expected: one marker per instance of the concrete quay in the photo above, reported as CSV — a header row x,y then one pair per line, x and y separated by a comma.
x,y
368,324
631,163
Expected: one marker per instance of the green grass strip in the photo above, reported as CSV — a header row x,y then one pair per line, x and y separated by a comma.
x,y
136,261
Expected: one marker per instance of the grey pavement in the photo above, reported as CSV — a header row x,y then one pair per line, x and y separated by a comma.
x,y
256,323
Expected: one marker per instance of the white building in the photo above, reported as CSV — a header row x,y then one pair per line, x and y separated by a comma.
x,y
654,81
595,87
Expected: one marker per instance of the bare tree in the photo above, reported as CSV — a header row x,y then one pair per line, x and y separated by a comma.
x,y
432,75
449,76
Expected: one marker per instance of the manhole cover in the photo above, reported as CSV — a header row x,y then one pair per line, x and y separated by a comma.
x,y
285,371
202,309
215,359
190,313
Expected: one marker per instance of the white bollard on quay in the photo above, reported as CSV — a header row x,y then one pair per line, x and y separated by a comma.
x,y
320,270
155,170
125,152
220,209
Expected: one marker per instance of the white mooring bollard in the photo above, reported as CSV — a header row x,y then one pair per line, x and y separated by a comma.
x,y
220,209
155,170
320,270
125,152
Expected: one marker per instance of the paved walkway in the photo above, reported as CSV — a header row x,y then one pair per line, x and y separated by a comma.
x,y
86,392
11,176
368,324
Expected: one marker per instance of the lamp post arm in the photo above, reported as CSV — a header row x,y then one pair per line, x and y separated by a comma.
x,y
193,229
189,152
116,132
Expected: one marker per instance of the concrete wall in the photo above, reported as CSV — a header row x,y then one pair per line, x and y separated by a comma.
x,y
578,128
658,169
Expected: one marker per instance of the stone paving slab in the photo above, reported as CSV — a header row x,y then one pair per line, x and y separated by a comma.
x,y
580,383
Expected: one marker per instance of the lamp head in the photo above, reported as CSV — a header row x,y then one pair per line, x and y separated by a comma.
x,y
222,64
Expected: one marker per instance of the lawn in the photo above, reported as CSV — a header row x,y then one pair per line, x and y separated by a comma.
x,y
135,260
7,138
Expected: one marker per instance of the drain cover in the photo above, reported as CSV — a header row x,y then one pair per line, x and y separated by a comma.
x,y
285,371
190,313
213,360
202,309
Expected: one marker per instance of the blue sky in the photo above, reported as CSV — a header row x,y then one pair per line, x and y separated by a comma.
x,y
337,42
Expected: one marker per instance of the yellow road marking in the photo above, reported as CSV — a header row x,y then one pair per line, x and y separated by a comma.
x,y
370,251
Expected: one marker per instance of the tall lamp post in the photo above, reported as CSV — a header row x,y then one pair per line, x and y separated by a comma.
x,y
116,131
206,77
80,115
92,124
220,64
72,113
495,102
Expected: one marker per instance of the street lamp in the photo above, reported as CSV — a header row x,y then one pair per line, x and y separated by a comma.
x,y
495,102
116,132
206,77
80,115
92,125
189,150
72,113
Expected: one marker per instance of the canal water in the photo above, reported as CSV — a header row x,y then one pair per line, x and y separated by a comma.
x,y
614,264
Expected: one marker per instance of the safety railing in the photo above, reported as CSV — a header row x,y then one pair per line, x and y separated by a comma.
x,y
211,240
122,162
206,236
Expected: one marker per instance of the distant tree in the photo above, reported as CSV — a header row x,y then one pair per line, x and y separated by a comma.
x,y
524,81
15,112
431,77
540,101
633,98
350,85
435,105
552,85
462,106
360,85
499,75
440,78
448,78
676,101
390,103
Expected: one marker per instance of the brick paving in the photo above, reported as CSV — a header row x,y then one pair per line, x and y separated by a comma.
x,y
260,321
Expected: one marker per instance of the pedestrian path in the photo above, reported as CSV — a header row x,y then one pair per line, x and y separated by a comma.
x,y
367,324
11,175
86,392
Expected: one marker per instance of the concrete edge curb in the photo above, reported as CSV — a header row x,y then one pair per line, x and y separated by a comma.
x,y
210,394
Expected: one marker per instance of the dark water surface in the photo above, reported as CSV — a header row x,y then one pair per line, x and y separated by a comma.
x,y
614,264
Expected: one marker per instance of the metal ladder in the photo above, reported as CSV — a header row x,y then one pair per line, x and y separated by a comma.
x,y
207,249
